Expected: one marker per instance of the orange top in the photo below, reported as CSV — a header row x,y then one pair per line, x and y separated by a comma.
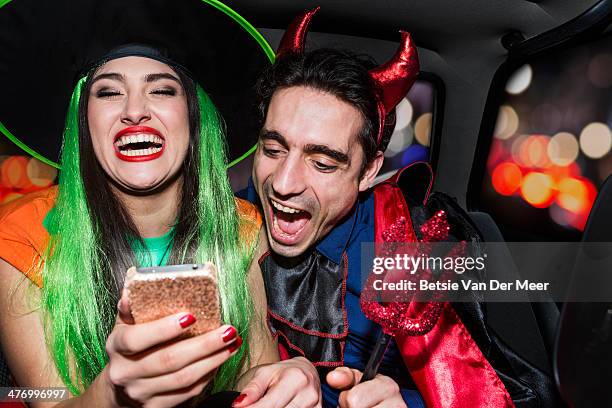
x,y
24,239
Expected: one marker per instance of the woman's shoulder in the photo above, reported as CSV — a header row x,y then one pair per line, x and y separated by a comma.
x,y
23,237
250,219
248,212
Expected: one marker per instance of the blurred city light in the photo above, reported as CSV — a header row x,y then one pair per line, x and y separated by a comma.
x,y
422,128
507,178
520,80
40,174
400,140
595,140
575,195
403,112
537,189
563,149
507,123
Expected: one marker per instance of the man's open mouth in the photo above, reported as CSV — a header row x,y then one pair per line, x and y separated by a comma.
x,y
139,143
288,222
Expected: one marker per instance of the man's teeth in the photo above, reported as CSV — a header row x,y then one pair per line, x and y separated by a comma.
x,y
139,138
284,209
141,152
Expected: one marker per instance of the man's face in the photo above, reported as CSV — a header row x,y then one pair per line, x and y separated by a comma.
x,y
307,166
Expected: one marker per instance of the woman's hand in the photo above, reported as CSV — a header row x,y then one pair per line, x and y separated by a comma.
x,y
147,368
290,383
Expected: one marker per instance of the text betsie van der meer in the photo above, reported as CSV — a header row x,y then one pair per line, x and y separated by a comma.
x,y
411,267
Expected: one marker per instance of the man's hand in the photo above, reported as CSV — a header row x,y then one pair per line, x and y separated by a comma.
x,y
380,392
291,383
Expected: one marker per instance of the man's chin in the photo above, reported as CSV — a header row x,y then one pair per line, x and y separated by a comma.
x,y
288,251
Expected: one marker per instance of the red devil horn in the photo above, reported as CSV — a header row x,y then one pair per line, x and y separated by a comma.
x,y
396,76
295,36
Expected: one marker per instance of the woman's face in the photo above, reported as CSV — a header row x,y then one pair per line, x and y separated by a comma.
x,y
139,122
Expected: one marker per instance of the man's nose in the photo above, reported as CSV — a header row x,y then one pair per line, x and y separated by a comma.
x,y
289,177
135,110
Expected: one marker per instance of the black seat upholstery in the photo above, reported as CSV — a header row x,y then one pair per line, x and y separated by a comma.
x,y
583,353
517,323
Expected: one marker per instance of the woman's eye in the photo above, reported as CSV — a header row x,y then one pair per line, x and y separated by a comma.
x,y
164,91
107,93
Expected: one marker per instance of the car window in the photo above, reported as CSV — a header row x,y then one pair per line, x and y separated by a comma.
x,y
551,144
411,139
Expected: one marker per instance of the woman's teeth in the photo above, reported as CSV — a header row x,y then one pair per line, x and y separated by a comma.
x,y
139,144
142,152
141,138
284,209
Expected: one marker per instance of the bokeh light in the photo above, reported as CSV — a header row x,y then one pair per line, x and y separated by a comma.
x,y
415,153
563,149
40,174
520,80
422,128
507,123
595,140
575,194
400,139
538,189
506,178
535,151
531,151
403,112
13,173
20,175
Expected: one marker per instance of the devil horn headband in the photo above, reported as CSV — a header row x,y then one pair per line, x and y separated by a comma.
x,y
393,79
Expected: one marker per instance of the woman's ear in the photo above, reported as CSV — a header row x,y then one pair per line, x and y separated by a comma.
x,y
371,171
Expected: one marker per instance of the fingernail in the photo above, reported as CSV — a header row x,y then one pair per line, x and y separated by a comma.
x,y
229,334
187,320
239,398
234,346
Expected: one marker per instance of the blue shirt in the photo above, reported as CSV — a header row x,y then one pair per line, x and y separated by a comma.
x,y
347,237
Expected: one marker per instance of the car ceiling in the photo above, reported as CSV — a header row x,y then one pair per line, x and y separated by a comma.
x,y
459,42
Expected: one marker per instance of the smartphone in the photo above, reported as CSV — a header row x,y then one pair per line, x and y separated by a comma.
x,y
159,291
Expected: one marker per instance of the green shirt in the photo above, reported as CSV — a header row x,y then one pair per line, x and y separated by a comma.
x,y
157,250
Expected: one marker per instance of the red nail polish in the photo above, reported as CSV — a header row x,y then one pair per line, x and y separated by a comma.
x,y
229,334
239,399
234,346
187,320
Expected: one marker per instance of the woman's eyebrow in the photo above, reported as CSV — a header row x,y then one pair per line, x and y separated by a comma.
x,y
110,75
161,75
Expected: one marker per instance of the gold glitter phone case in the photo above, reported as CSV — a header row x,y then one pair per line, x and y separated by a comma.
x,y
159,291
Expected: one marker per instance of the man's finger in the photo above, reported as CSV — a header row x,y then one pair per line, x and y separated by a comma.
x,y
381,389
343,378
292,387
275,396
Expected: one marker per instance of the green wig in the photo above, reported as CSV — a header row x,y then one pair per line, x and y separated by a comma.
x,y
79,308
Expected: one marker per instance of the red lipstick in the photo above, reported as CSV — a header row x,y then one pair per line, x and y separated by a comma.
x,y
137,130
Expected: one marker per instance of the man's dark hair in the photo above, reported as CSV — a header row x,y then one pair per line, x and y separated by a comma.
x,y
339,73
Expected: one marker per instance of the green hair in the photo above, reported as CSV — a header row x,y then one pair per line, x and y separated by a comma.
x,y
79,308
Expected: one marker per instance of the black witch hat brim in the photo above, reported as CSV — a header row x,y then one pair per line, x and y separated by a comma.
x,y
44,47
